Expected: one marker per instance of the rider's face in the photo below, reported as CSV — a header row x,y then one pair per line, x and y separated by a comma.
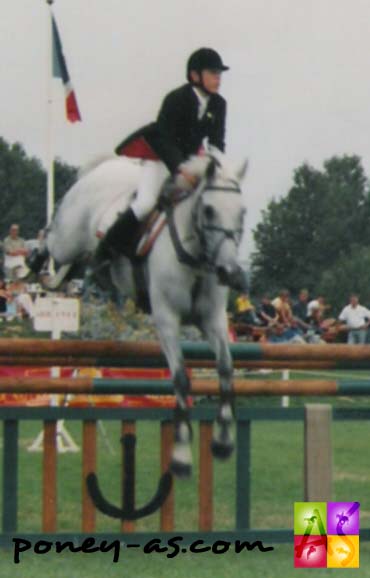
x,y
209,79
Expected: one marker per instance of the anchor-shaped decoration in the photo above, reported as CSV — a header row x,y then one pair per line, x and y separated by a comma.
x,y
128,510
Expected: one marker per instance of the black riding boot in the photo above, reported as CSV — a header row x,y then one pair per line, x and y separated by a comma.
x,y
119,240
36,259
120,237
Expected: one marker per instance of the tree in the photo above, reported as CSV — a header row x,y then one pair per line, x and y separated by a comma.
x,y
23,189
348,274
324,215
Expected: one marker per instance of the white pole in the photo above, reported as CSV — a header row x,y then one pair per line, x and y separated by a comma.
x,y
50,140
285,400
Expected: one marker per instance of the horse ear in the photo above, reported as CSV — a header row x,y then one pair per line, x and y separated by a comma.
x,y
241,172
211,169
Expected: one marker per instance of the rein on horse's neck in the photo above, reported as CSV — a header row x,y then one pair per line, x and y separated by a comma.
x,y
183,231
183,220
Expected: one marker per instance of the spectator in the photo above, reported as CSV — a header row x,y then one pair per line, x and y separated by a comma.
x,y
15,252
357,319
32,244
300,306
22,299
245,310
4,297
36,247
300,314
282,306
267,312
282,334
2,274
316,308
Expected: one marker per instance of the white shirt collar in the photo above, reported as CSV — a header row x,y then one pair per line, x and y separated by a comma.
x,y
203,102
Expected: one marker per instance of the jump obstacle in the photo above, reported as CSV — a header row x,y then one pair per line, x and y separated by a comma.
x,y
317,418
242,387
45,352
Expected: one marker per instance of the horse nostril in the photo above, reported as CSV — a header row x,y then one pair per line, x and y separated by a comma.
x,y
240,281
233,277
220,272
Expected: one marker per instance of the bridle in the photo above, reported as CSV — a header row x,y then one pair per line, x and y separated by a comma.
x,y
203,228
205,259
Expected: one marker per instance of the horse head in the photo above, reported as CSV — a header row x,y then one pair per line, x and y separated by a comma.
x,y
218,217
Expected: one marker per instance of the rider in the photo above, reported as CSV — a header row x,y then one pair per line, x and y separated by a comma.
x,y
188,114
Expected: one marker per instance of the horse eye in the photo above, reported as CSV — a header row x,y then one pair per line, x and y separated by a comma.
x,y
209,212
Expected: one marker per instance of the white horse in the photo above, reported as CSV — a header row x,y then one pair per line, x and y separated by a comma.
x,y
188,271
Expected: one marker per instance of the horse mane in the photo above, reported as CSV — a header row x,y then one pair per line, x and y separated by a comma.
x,y
197,165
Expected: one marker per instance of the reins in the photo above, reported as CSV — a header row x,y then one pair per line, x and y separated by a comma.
x,y
203,260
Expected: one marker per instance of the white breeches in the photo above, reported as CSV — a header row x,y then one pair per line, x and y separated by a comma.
x,y
111,214
152,177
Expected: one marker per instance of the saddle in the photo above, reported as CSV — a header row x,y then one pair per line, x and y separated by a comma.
x,y
146,235
150,229
170,196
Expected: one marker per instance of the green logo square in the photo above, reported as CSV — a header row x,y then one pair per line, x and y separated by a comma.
x,y
310,518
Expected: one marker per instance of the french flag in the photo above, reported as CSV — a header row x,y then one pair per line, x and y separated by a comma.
x,y
60,70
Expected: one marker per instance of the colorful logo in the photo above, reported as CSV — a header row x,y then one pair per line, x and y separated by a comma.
x,y
326,535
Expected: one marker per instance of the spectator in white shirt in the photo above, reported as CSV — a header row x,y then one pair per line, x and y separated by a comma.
x,y
15,252
357,318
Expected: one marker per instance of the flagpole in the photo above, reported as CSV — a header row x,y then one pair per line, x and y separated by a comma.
x,y
50,139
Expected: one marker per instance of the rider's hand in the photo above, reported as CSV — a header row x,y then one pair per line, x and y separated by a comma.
x,y
189,177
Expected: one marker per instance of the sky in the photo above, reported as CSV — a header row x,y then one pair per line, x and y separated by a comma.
x,y
298,89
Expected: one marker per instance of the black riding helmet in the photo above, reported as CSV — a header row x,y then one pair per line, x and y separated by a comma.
x,y
204,59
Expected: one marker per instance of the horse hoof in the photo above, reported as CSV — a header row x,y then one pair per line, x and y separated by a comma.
x,y
180,470
221,451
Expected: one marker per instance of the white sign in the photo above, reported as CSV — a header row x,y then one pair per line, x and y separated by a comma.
x,y
56,314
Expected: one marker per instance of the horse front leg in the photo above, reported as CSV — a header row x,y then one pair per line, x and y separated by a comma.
x,y
223,441
168,331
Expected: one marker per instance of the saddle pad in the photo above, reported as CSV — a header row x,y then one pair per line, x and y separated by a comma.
x,y
138,149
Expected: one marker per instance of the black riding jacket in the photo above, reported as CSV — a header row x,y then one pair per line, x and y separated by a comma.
x,y
177,132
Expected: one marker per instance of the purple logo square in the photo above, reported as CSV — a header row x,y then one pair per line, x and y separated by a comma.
x,y
343,518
